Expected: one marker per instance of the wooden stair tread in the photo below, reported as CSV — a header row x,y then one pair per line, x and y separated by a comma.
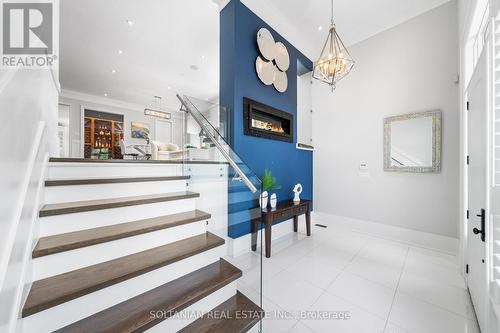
x,y
236,315
90,205
96,181
134,315
78,239
61,288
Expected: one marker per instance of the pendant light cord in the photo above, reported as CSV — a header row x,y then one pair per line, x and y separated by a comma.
x,y
332,14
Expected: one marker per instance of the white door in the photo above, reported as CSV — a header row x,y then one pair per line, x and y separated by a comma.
x,y
477,278
63,129
163,131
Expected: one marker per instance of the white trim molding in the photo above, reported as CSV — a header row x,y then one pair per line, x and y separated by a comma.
x,y
444,244
411,237
71,94
221,3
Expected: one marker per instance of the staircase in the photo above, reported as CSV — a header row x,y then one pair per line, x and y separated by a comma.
x,y
129,253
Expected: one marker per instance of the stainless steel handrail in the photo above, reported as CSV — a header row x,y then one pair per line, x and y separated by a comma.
x,y
224,153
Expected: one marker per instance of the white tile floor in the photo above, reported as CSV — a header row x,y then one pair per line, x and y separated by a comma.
x,y
385,286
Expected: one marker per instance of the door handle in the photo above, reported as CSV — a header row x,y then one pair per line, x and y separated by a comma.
x,y
481,231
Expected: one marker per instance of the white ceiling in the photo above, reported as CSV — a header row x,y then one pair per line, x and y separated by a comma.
x,y
356,20
165,39
168,36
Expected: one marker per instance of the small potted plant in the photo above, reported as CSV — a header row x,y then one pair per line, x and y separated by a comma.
x,y
268,184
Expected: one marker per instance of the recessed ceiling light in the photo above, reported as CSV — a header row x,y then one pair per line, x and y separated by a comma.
x,y
120,51
113,71
169,88
105,94
129,22
320,28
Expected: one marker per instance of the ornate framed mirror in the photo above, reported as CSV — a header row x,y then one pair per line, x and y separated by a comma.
x,y
412,142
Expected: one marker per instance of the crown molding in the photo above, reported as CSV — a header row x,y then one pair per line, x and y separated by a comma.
x,y
110,102
221,3
71,94
289,30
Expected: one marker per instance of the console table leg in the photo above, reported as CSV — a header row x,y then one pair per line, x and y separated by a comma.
x,y
308,222
254,227
268,240
295,223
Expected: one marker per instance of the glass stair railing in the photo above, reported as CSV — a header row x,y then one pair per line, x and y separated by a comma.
x,y
234,189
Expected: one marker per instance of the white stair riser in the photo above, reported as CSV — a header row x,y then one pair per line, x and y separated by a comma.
x,y
496,260
82,307
496,273
58,194
213,200
58,224
63,262
111,170
191,313
495,287
207,172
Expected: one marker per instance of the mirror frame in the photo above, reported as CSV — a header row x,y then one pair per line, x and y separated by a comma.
x,y
436,142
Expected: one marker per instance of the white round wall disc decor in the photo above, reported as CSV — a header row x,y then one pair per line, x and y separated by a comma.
x,y
266,70
282,58
267,46
280,81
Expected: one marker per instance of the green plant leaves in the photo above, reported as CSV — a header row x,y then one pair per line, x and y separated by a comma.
x,y
268,181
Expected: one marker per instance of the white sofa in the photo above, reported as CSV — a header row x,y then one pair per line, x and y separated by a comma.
x,y
161,151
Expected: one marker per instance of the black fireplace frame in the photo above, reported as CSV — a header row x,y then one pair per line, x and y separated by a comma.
x,y
249,106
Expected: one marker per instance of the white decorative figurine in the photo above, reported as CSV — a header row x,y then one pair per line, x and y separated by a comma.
x,y
274,200
263,199
297,190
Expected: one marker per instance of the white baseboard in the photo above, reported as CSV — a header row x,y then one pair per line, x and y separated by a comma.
x,y
241,245
412,237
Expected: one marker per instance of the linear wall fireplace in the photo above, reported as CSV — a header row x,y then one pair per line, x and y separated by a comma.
x,y
266,122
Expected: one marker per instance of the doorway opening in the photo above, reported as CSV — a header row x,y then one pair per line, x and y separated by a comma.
x,y
103,132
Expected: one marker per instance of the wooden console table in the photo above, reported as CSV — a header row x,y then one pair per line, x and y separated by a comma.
x,y
284,210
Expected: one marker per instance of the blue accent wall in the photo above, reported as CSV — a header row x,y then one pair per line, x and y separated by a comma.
x,y
238,79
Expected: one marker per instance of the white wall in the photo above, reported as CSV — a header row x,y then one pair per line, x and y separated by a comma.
x,y
304,106
28,104
409,68
131,112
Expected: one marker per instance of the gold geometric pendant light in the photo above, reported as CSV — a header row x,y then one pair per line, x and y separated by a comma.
x,y
335,61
